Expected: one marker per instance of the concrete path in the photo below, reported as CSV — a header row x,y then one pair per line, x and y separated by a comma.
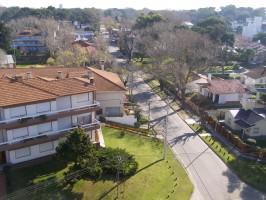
x,y
212,179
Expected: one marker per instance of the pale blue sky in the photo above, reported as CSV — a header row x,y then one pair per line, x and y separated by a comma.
x,y
137,4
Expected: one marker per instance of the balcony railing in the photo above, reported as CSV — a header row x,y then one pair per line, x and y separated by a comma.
x,y
94,104
94,125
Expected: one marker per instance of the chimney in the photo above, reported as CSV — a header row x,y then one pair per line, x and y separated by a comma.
x,y
60,75
91,80
102,64
89,75
28,75
18,78
209,76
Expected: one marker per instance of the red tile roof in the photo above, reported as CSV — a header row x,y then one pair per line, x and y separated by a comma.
x,y
16,93
225,86
63,87
104,81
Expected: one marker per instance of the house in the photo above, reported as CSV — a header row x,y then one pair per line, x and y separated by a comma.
x,y
90,47
37,112
194,85
223,91
28,42
7,61
251,122
110,90
254,78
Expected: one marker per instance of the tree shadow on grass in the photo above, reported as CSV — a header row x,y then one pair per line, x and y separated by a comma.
x,y
126,179
28,173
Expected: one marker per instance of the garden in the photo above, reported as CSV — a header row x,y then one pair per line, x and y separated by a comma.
x,y
153,178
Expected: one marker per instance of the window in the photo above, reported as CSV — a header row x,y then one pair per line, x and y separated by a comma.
x,y
24,152
43,107
83,98
256,130
82,120
18,112
49,146
46,127
20,133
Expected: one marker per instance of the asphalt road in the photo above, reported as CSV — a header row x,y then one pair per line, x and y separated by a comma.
x,y
212,179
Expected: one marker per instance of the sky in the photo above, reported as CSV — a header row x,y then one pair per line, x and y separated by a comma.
x,y
137,4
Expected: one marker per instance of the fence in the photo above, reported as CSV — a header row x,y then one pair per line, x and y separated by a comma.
x,y
242,147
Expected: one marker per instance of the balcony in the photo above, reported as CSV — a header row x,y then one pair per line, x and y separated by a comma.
x,y
29,120
45,137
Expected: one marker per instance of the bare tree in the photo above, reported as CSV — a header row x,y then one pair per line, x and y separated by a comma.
x,y
56,35
176,54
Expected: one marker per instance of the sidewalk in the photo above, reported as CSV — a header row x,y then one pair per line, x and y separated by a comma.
x,y
2,185
230,146
188,115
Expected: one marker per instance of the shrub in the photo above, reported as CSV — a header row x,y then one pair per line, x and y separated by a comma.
x,y
113,160
137,124
102,119
50,61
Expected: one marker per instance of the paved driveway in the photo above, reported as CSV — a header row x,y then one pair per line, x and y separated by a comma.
x,y
211,177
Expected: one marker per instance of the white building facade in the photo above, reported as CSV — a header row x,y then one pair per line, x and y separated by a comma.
x,y
33,130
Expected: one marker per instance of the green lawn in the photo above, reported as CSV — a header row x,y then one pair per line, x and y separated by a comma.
x,y
155,179
251,172
29,66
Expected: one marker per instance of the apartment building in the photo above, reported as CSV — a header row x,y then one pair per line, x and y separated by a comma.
x,y
37,112
110,90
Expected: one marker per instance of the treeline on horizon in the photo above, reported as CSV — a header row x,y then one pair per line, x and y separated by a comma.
x,y
93,15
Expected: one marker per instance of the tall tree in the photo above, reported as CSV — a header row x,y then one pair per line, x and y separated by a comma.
x,y
260,37
76,148
217,29
5,37
177,54
144,21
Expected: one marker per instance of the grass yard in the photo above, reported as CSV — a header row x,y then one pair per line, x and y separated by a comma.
x,y
155,179
251,172
29,66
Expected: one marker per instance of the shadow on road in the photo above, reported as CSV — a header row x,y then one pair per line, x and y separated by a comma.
x,y
246,191
182,138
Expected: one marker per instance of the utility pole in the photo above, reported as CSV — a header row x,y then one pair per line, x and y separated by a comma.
x,y
149,122
166,132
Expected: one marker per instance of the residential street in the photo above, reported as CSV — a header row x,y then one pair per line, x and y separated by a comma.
x,y
211,177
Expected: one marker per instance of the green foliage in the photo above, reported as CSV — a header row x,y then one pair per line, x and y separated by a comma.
x,y
90,16
5,37
50,61
261,37
113,160
217,29
76,147
245,56
144,21
102,119
263,97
